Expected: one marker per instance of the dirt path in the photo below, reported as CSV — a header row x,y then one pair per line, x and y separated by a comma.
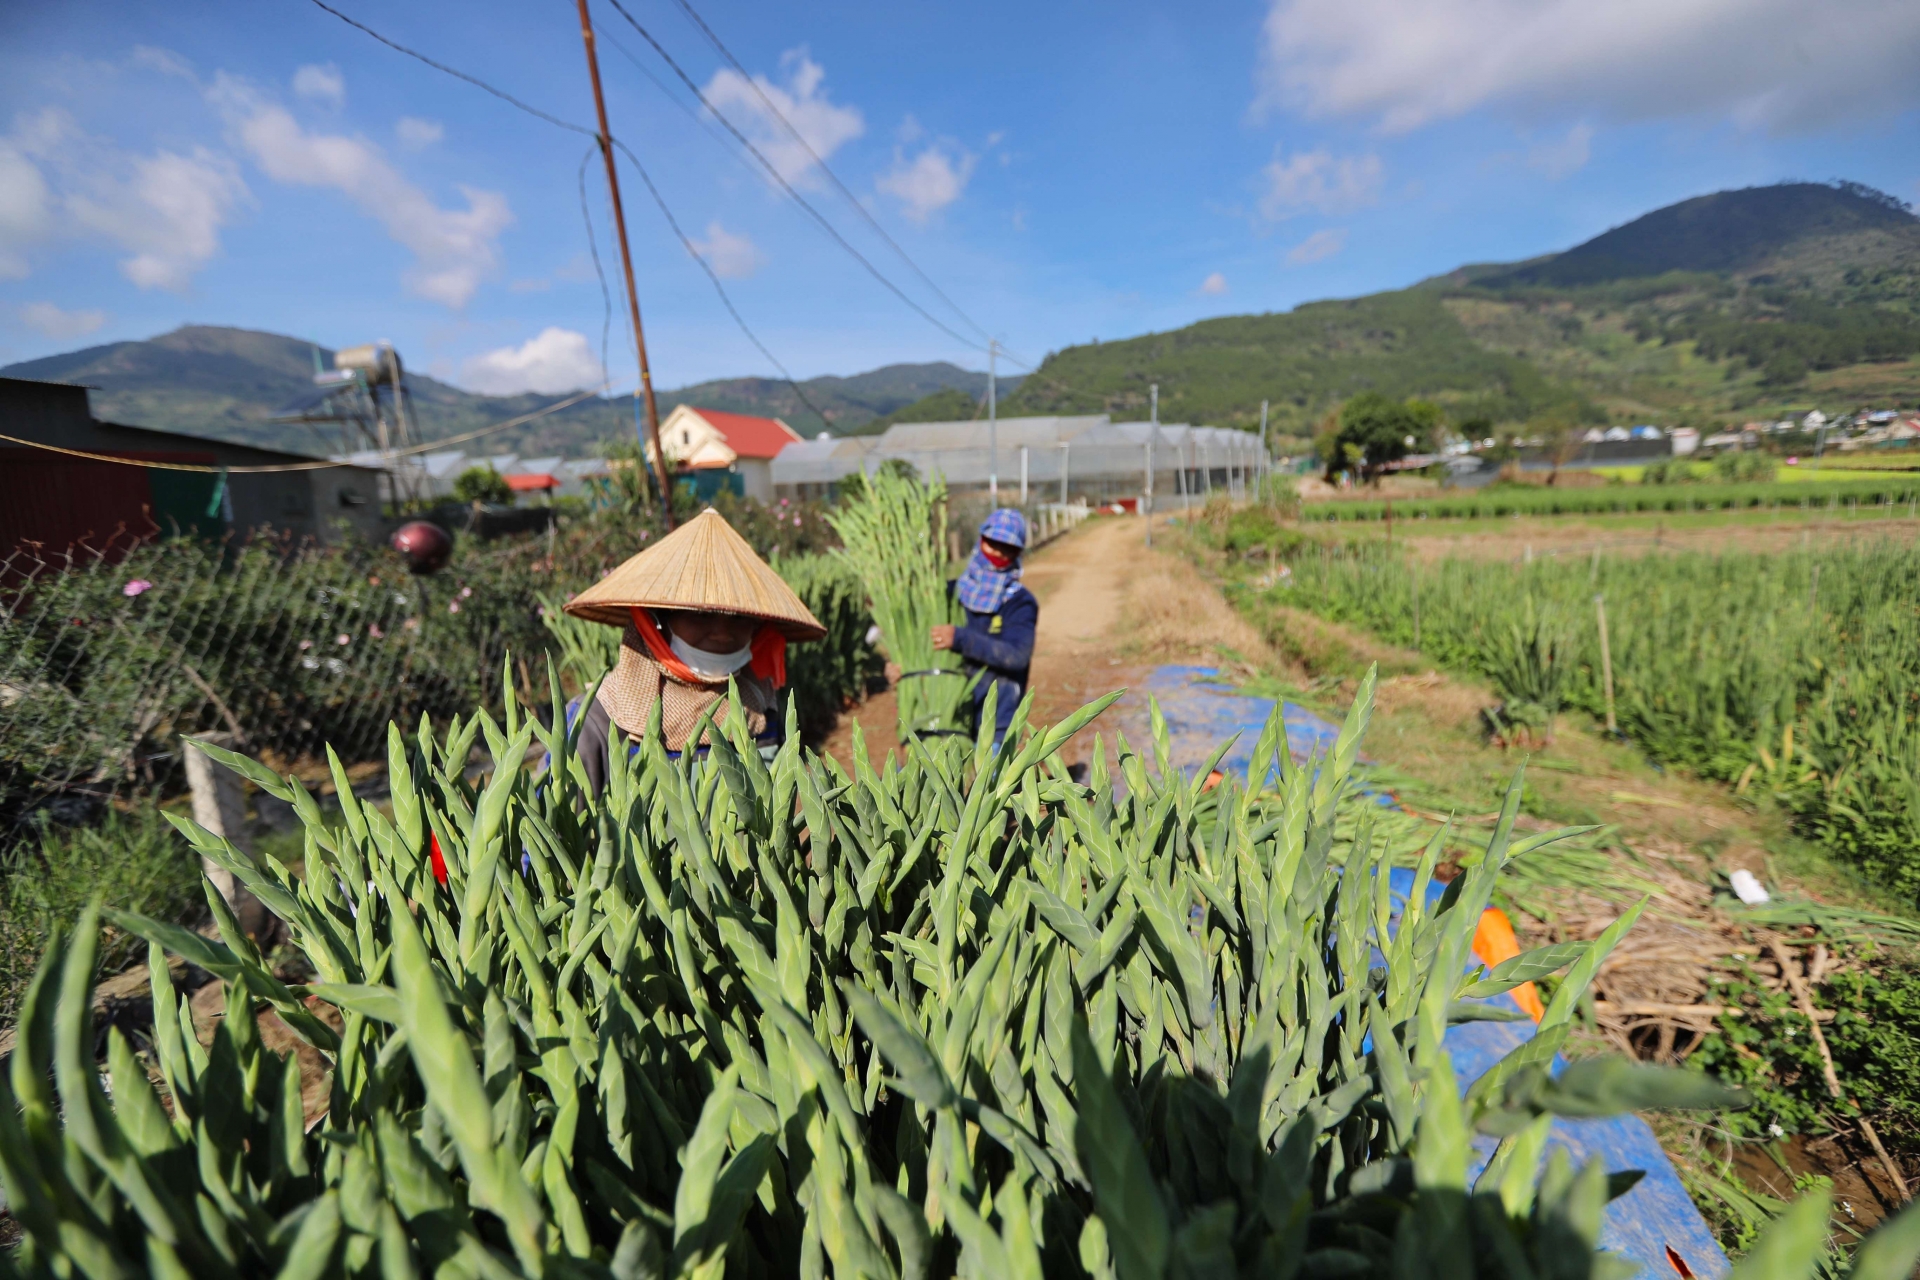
x,y
1110,610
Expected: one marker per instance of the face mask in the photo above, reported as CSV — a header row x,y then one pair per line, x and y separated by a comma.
x,y
710,666
995,558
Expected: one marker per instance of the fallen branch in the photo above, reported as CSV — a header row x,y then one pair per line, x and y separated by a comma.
x,y
1804,998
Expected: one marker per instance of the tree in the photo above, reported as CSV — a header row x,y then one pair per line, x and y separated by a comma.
x,y
482,484
1374,431
1560,439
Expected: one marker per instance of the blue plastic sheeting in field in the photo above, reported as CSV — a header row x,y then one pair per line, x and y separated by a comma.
x,y
1657,1214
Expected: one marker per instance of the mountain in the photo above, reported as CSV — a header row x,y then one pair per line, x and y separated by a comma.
x,y
1720,308
223,382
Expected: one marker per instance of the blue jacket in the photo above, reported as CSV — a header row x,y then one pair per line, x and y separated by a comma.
x,y
1002,644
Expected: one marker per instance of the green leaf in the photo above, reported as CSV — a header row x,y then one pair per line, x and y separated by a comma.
x,y
915,1064
1793,1244
1123,1188
1892,1250
1525,967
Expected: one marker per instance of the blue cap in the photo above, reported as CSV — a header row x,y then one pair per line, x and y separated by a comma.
x,y
1006,525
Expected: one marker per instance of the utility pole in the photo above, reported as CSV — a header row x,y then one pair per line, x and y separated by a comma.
x,y
993,423
626,262
1153,431
1266,461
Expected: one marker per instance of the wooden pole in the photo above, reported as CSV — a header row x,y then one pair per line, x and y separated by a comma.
x,y
1606,661
626,263
1416,607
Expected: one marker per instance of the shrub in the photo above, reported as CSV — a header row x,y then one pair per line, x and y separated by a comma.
x,y
133,859
962,1017
482,484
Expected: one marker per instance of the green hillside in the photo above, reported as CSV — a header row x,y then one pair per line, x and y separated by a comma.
x,y
223,382
1721,308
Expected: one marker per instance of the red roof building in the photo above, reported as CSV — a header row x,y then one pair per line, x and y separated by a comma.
x,y
696,439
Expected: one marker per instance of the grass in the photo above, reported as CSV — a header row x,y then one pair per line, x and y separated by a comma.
x,y
134,861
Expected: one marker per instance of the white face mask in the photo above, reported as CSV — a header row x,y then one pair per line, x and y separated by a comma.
x,y
710,666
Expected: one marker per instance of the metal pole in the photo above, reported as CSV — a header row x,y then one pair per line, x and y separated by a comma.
x,y
1153,430
993,425
1023,475
1266,460
1186,471
1066,447
626,263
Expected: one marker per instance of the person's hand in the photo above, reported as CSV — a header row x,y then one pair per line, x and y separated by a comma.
x,y
942,636
893,672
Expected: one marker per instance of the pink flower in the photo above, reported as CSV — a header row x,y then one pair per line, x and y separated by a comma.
x,y
454,607
306,644
796,522
139,586
465,592
343,638
375,631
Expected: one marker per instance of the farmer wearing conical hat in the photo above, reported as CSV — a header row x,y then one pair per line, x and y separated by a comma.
x,y
698,609
1002,616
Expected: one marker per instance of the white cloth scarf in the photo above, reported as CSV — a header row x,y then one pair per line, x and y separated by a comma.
x,y
710,666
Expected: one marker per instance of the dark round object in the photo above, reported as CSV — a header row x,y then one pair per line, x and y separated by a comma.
x,y
425,545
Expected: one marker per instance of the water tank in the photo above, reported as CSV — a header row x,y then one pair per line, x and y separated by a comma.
x,y
377,362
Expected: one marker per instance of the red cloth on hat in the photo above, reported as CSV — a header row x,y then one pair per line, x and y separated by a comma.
x,y
769,660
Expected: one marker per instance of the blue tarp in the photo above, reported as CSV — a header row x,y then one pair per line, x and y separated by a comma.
x,y
1657,1215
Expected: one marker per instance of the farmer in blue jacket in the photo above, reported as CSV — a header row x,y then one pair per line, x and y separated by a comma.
x,y
1001,616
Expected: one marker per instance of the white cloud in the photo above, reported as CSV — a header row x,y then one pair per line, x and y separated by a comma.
x,y
929,182
1318,181
454,249
1213,286
321,83
48,319
26,209
1566,156
732,257
1775,64
166,209
556,360
825,126
165,61
415,133
1317,247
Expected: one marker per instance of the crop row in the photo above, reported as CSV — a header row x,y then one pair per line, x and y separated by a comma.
x,y
1887,490
1794,675
961,1016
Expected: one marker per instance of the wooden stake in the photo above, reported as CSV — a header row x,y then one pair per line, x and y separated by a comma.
x,y
1606,661
1804,999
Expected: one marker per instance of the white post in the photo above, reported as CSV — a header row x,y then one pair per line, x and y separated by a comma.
x,y
220,805
1023,475
993,428
1153,429
1065,448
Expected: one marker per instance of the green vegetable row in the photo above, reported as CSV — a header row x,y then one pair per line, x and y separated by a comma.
x,y
959,1017
1887,490
1796,675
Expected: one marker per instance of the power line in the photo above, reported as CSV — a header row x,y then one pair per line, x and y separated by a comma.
x,y
475,81
593,248
318,464
832,177
592,245
725,299
787,187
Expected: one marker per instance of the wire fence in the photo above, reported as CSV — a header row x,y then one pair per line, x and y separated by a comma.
x,y
106,663
109,658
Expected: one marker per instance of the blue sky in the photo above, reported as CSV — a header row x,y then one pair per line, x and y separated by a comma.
x,y
1062,172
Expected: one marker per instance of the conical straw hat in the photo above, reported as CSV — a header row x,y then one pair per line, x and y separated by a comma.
x,y
704,566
